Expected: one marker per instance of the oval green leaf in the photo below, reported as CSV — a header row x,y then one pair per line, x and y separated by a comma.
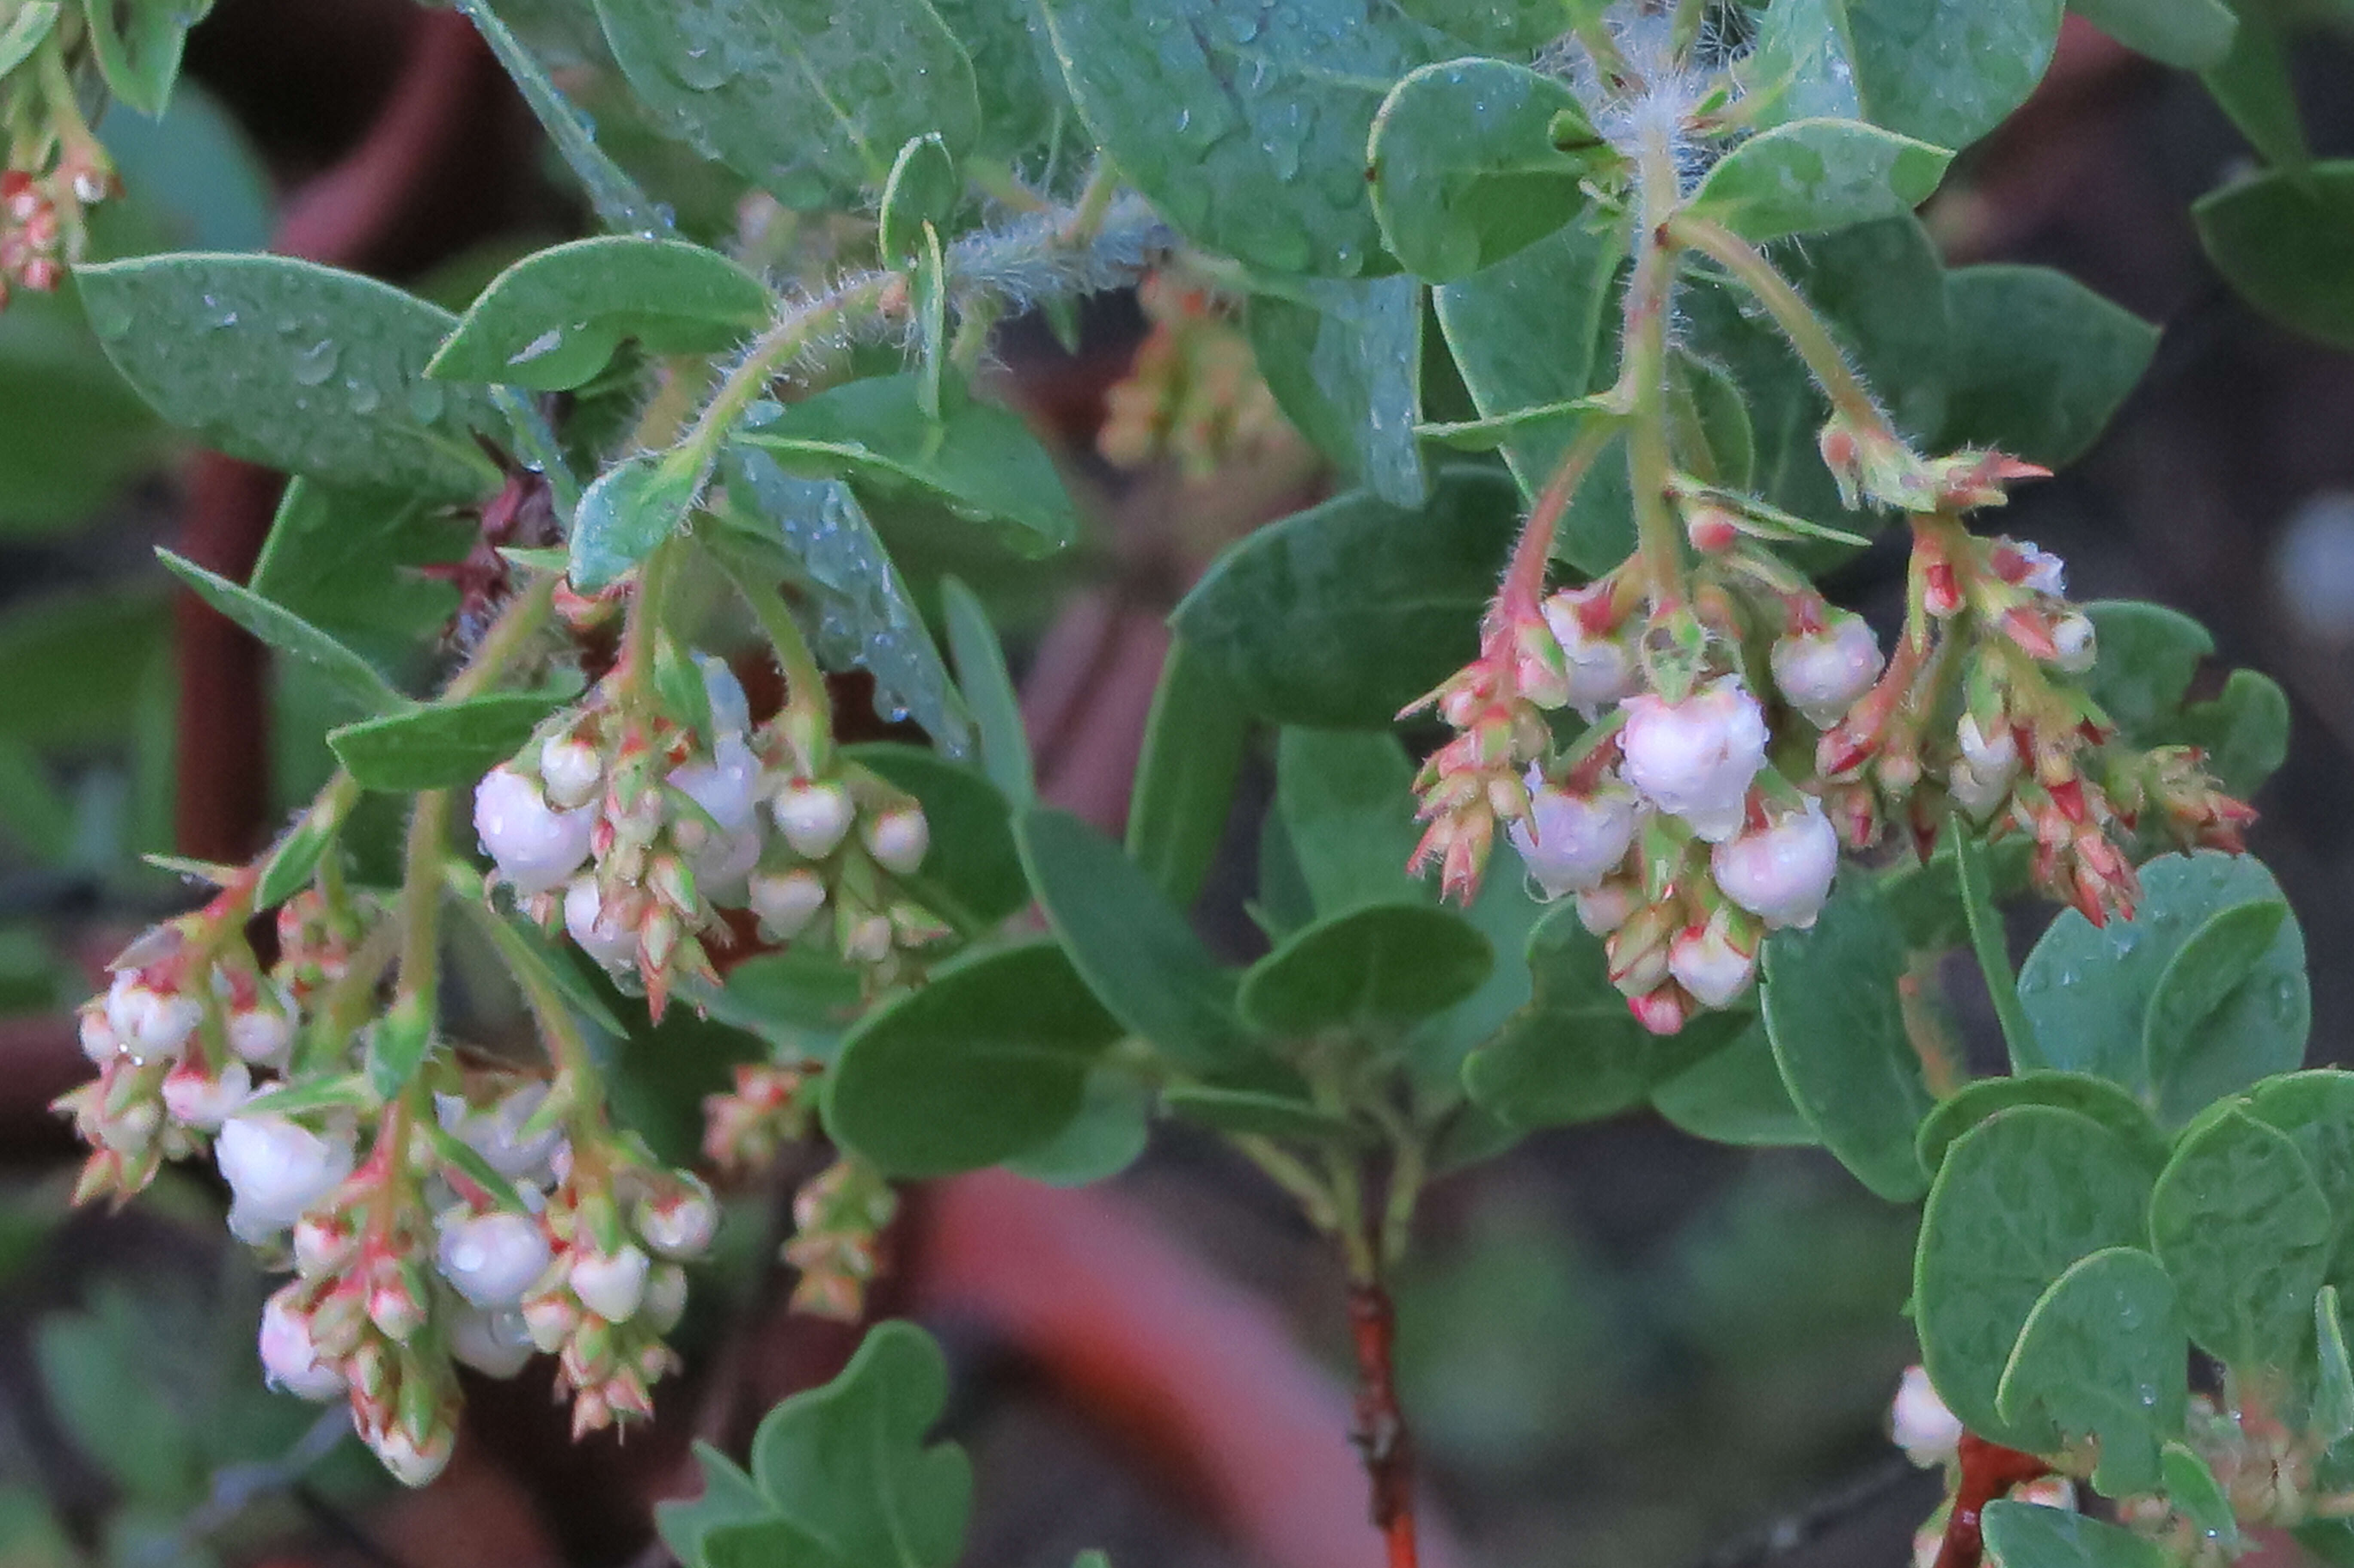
x,y
1373,968
2242,1225
1810,175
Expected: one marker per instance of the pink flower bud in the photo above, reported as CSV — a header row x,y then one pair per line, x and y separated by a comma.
x,y
814,818
277,1169
262,1032
665,1297
1922,1425
496,1344
323,1244
1570,843
99,1041
787,903
152,1025
1781,873
1711,962
898,839
493,1259
396,1306
290,1356
496,1133
1661,1011
536,846
413,1458
612,945
1980,779
2072,643
681,1224
726,788
1601,669
1604,909
1823,674
610,1286
571,770
1695,758
196,1098
550,1319
868,939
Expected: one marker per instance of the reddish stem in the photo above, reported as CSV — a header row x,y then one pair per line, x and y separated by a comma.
x,y
1989,1470
1382,1435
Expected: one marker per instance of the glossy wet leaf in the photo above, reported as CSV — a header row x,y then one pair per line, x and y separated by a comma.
x,y
1497,27
1340,615
2096,1098
988,1059
2191,1057
2243,731
1374,968
1946,71
353,678
1343,363
971,871
808,99
1574,1053
294,367
2089,990
2242,1225
1736,1097
1809,175
2189,34
2029,1535
849,1463
2147,655
1133,946
1472,160
1020,88
552,321
2102,1356
2281,239
2316,1109
979,460
2193,1490
1244,126
442,745
1831,1008
2331,1413
2018,1200
634,507
1194,739
2039,362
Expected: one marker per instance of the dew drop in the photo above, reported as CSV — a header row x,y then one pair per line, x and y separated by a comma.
x,y
313,365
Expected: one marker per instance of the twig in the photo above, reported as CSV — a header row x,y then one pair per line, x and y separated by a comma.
x,y
1382,1436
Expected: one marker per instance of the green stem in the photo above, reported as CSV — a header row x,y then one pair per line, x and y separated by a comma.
x,y
1805,331
1095,201
1986,943
567,1048
805,692
1643,378
773,350
1293,1176
655,574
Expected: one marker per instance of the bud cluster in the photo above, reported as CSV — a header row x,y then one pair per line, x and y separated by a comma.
x,y
639,835
1194,391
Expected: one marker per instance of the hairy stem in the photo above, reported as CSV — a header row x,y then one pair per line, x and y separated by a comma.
x,y
1643,378
1524,577
786,340
1807,333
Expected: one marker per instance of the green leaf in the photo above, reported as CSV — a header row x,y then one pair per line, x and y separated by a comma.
x,y
2029,1535
979,460
987,1060
1246,130
2244,730
2147,654
1528,334
1107,1135
2193,1062
1975,878
1342,614
2101,1357
924,187
989,692
1832,1010
71,430
2089,989
1813,174
1472,159
552,321
137,44
848,1463
634,506
293,366
32,22
1946,71
1499,27
2039,362
353,679
1574,1053
2252,86
971,871
1708,423
1378,967
2195,1492
2096,1098
1130,943
1193,757
817,530
2018,1200
2189,34
1343,363
2331,1417
442,746
1023,105
761,1543
1346,798
104,1395
2281,240
809,100
1736,1097
2316,1109
1254,1113
2242,1225
344,560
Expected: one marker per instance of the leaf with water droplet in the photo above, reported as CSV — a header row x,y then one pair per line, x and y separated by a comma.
x,y
2244,1229
248,391
634,506
924,187
1344,363
552,321
1946,71
2097,1098
2033,1536
2107,1331
1810,176
442,745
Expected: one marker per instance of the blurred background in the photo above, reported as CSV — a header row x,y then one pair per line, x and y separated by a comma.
x,y
1621,1346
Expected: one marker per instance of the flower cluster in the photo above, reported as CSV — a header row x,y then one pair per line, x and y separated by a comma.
x,y
1737,728
55,169
641,835
1194,392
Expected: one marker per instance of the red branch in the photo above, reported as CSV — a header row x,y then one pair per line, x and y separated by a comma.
x,y
1382,1436
1989,1470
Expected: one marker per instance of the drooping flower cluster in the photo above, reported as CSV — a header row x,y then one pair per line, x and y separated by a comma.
x,y
640,836
1193,393
56,168
1733,737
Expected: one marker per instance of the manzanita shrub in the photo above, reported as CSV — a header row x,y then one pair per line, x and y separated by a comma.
x,y
1619,328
